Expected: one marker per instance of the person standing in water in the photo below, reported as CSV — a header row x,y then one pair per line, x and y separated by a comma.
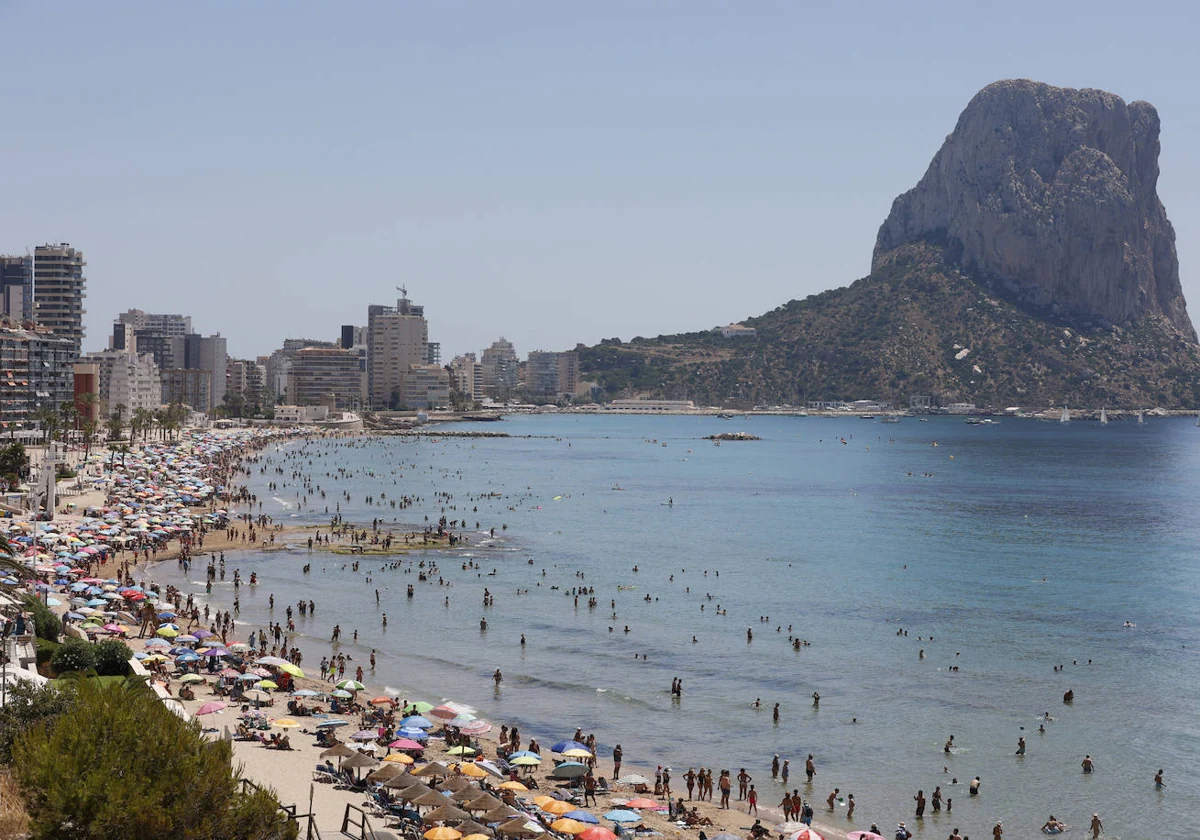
x,y
1097,826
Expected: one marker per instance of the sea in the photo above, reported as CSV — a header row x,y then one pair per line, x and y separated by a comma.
x,y
999,551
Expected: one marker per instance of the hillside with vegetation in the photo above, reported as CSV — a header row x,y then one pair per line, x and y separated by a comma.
x,y
917,325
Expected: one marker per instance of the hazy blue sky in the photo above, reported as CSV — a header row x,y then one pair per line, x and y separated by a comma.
x,y
551,171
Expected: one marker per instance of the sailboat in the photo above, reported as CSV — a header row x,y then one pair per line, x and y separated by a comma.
x,y
1066,416
1104,417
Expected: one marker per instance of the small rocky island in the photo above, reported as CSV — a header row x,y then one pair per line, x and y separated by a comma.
x,y
733,436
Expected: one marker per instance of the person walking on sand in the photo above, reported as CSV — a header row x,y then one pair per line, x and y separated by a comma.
x,y
1097,826
617,753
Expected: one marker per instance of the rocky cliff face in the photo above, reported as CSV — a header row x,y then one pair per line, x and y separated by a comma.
x,y
1050,195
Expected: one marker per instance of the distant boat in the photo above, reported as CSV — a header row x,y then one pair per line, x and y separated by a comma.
x,y
1066,416
1104,418
1141,418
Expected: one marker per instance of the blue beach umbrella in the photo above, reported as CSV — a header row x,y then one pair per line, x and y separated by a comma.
x,y
415,722
570,770
413,733
563,746
583,817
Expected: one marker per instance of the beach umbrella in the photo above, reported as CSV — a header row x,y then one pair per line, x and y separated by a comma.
x,y
286,723
863,835
596,832
642,802
568,826
622,815
433,768
403,782
331,724
482,802
807,834
468,751
442,833
526,761
413,733
364,735
256,695
289,668
582,816
383,701
558,807
385,772
517,786
249,677
358,760
191,678
211,652
400,758
338,750
445,812
405,744
575,752
634,779
341,694
474,772
543,800
444,712
304,692
431,799
420,707
211,708
272,660
520,827
569,770
459,784
499,814
480,836
351,685
563,746
416,722
477,727
411,793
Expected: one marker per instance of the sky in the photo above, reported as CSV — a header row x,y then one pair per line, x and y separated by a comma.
x,y
551,172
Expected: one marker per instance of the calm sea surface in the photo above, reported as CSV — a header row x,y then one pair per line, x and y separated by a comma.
x,y
1007,549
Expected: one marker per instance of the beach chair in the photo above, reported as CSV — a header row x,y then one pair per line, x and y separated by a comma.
x,y
323,774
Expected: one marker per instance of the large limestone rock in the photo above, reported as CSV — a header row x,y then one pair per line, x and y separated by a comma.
x,y
1050,193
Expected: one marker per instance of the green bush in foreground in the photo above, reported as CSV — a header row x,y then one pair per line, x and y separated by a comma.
x,y
46,624
119,764
74,655
25,705
112,658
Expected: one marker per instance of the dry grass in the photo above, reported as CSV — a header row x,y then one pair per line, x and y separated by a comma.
x,y
14,819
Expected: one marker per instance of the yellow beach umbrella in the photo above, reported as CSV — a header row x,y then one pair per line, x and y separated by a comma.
x,y
400,758
558,807
285,723
267,684
473,770
289,668
167,632
543,800
477,837
577,753
442,832
567,826
512,786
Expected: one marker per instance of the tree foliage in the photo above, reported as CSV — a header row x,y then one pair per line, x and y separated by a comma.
x,y
74,655
27,704
112,658
120,764
46,623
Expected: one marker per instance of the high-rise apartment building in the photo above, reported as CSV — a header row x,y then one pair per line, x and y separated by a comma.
x,y
466,376
16,289
35,373
397,339
499,367
326,376
127,379
552,374
58,291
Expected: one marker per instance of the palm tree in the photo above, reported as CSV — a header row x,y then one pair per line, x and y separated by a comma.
x,y
48,419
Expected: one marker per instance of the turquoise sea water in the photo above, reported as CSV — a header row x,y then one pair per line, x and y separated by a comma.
x,y
1016,547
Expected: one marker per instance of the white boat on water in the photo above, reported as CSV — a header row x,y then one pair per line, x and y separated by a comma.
x,y
1066,416
1103,417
